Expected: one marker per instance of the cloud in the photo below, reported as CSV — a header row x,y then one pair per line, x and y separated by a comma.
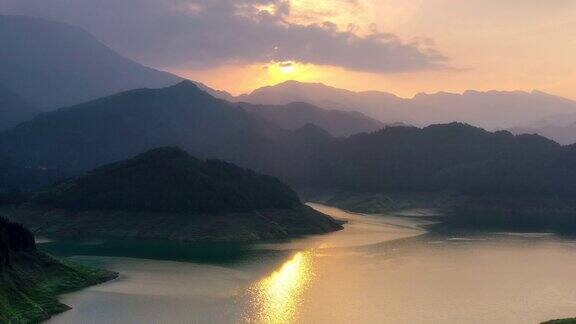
x,y
208,33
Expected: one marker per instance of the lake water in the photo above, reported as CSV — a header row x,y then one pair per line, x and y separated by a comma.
x,y
379,269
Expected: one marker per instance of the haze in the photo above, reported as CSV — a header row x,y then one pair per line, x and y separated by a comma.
x,y
404,47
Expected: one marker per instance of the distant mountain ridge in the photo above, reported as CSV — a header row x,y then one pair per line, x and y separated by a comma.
x,y
119,126
561,128
113,128
508,171
492,110
298,114
52,64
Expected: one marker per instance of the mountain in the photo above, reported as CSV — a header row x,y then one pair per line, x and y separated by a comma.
x,y
563,134
491,110
169,180
166,193
454,157
298,114
30,280
493,180
13,109
220,94
113,128
369,102
51,64
522,173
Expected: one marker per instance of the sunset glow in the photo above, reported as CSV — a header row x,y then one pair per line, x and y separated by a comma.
x,y
517,45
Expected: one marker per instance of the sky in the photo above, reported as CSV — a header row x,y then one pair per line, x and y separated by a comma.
x,y
399,46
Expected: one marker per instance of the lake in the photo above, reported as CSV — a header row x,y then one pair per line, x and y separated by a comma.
x,y
379,269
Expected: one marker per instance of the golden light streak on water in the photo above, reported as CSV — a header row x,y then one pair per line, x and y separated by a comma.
x,y
276,298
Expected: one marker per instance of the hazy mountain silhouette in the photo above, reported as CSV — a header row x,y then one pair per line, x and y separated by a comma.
x,y
13,109
52,64
220,94
116,127
560,128
491,110
298,114
166,193
119,126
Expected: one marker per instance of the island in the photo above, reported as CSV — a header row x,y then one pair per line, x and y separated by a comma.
x,y
165,193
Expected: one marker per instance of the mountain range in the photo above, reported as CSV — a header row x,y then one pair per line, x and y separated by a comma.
x,y
45,65
119,126
295,115
491,110
561,129
48,65
290,131
113,128
455,158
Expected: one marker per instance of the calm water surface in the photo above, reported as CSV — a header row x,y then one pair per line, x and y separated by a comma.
x,y
380,269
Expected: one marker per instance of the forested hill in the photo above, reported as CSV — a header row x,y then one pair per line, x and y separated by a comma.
x,y
167,194
453,156
169,180
31,280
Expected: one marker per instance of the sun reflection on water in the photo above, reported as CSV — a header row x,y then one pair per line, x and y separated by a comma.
x,y
276,297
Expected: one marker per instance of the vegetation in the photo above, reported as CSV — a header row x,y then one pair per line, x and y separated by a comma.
x,y
169,180
167,194
489,180
30,280
528,174
562,321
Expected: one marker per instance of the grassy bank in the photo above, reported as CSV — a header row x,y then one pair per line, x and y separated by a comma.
x,y
253,226
29,286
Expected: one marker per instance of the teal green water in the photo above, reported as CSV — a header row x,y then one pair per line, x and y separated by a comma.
x,y
159,250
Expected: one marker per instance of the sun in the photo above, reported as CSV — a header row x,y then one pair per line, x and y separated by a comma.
x,y
287,67
280,71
